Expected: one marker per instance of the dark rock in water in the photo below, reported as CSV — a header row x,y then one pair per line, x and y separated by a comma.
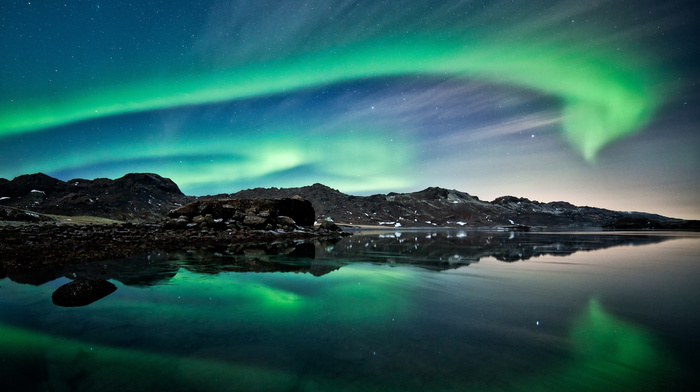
x,y
82,292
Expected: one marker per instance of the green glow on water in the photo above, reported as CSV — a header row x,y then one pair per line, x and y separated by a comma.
x,y
605,96
106,368
610,355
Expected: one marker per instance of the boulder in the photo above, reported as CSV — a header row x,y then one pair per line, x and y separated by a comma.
x,y
198,219
255,221
81,292
251,212
329,225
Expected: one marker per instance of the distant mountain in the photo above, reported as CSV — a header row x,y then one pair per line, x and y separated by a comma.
x,y
438,207
149,197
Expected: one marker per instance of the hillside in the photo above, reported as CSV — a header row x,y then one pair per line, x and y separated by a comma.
x,y
134,197
144,197
438,207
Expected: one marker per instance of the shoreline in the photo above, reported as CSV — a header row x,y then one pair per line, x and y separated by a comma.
x,y
28,247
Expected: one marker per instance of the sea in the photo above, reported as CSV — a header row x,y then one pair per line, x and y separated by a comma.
x,y
408,310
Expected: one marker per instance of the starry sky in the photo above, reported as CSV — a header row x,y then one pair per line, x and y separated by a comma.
x,y
591,102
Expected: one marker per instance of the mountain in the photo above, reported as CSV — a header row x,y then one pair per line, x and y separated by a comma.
x,y
149,197
134,197
438,207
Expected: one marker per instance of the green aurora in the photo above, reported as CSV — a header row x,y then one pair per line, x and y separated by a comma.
x,y
591,103
604,97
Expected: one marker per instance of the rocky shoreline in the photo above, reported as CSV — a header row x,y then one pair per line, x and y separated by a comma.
x,y
37,247
220,224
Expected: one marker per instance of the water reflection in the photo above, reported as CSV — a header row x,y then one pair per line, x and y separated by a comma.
x,y
386,312
609,355
433,250
447,249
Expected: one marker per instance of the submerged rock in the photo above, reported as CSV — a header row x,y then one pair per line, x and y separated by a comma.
x,y
82,292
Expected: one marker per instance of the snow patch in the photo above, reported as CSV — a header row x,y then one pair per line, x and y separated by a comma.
x,y
511,222
461,223
4,198
397,224
38,191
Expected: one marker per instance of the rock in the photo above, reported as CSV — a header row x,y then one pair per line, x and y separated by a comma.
x,y
198,219
255,221
256,213
175,224
329,225
285,221
187,211
82,292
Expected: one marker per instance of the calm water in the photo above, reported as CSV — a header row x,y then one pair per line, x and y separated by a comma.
x,y
439,311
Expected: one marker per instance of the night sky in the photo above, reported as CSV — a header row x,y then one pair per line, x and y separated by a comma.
x,y
591,102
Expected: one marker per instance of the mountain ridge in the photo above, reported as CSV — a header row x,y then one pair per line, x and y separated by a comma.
x,y
149,197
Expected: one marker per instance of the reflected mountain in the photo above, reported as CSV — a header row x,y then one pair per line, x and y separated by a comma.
x,y
434,250
144,270
448,249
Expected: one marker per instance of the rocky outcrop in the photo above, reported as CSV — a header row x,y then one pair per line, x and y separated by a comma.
x,y
262,214
203,224
28,249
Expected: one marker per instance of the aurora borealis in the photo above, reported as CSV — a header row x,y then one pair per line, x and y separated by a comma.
x,y
551,100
